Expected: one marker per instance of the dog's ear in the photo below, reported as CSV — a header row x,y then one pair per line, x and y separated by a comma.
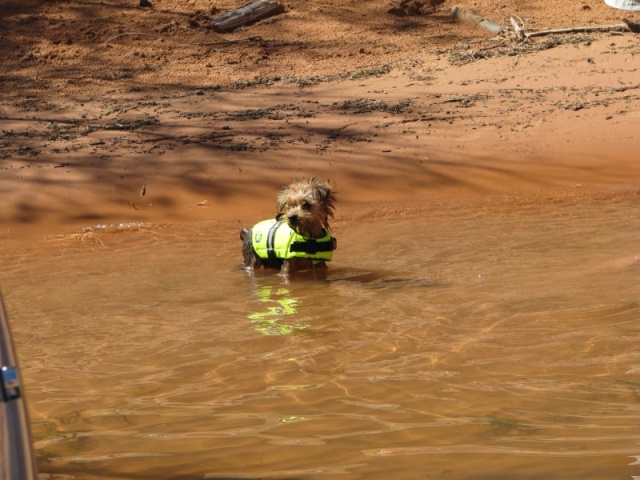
x,y
326,196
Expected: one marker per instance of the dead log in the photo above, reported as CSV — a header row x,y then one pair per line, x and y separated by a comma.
x,y
246,15
457,14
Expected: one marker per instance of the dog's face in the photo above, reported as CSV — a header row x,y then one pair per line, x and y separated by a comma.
x,y
306,206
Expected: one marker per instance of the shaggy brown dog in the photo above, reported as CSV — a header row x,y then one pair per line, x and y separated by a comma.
x,y
299,238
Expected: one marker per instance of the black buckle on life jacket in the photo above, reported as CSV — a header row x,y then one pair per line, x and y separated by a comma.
x,y
311,246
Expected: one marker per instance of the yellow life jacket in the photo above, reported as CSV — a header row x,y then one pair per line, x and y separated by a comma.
x,y
274,241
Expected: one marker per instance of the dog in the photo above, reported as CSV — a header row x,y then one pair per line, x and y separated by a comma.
x,y
299,237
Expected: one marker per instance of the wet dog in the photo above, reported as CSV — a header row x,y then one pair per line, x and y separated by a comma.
x,y
299,237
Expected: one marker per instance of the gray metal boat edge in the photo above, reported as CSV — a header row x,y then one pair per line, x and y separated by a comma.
x,y
16,447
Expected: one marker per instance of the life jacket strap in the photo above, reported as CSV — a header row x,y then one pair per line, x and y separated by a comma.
x,y
271,251
311,246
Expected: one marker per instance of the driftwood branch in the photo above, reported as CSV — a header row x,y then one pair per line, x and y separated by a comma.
x,y
246,15
595,28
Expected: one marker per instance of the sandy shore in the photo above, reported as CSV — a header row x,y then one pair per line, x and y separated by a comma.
x,y
114,114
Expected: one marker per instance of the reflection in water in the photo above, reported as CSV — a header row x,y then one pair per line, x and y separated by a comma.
x,y
275,304
485,341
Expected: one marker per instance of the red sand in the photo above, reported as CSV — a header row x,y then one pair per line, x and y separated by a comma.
x,y
101,99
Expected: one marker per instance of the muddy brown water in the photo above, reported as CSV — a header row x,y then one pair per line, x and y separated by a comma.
x,y
492,339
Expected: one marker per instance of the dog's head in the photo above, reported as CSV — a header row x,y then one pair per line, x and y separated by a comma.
x,y
306,205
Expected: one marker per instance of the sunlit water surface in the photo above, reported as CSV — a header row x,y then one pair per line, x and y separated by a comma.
x,y
494,340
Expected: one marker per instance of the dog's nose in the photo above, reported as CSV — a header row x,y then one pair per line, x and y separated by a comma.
x,y
293,219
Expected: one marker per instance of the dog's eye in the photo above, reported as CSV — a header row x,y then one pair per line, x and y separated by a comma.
x,y
306,205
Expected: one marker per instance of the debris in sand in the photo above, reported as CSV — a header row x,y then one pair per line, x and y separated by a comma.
x,y
203,203
519,35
